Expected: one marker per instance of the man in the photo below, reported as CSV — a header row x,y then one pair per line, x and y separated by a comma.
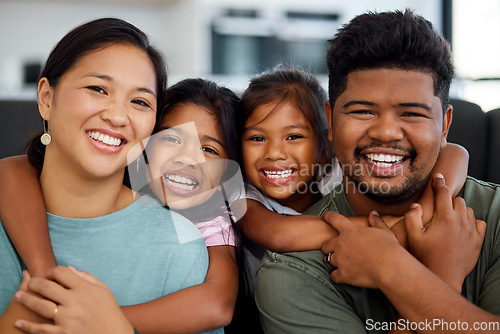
x,y
389,78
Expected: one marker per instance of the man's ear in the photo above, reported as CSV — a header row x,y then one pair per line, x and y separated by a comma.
x,y
45,94
448,116
328,114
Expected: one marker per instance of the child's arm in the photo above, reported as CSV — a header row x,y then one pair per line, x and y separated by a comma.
x,y
284,233
452,162
22,211
199,308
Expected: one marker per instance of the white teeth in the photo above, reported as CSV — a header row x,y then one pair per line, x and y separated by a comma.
x,y
384,160
106,139
274,174
180,182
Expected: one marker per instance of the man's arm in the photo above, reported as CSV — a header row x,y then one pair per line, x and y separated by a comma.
x,y
450,246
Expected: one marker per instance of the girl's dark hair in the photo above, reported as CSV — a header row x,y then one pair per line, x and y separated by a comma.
x,y
285,84
220,102
85,39
224,105
396,39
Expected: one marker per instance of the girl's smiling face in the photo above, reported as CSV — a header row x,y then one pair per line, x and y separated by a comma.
x,y
280,156
187,158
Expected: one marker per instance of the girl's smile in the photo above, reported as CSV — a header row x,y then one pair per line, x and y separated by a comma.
x,y
280,156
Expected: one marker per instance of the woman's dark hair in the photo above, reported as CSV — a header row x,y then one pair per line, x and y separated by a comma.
x,y
220,102
396,39
285,84
85,39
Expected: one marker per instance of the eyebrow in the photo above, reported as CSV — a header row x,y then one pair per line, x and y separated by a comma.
x,y
180,131
208,138
400,105
290,127
110,79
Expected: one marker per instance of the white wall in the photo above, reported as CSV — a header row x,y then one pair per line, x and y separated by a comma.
x,y
30,28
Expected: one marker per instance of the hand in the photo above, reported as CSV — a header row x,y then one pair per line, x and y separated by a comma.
x,y
16,310
76,301
360,254
450,243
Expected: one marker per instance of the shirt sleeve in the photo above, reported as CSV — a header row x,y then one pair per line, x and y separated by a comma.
x,y
295,297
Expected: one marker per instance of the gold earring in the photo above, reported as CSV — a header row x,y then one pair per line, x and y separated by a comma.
x,y
45,138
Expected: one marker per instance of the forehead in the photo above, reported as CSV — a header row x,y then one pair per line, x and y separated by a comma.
x,y
206,123
389,85
122,62
277,115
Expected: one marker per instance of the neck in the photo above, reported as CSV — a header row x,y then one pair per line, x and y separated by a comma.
x,y
69,194
362,205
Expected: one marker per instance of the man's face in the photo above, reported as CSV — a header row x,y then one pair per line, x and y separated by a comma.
x,y
387,130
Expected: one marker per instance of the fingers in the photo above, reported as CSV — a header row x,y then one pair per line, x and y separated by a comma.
x,y
442,195
375,220
46,308
86,276
24,282
413,219
336,220
35,328
481,229
65,276
48,289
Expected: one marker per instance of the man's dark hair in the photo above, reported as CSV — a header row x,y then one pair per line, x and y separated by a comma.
x,y
401,40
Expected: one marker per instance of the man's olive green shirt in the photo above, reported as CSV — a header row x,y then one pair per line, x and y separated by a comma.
x,y
295,294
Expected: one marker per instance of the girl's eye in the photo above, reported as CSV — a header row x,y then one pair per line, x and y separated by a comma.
x,y
97,89
257,138
170,139
141,103
209,150
294,137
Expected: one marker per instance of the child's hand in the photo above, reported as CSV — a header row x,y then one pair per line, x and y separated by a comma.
x,y
399,231
450,244
77,302
360,255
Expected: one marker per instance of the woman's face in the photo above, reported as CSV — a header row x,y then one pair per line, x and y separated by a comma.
x,y
187,158
103,106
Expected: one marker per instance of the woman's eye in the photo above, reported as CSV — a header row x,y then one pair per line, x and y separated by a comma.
x,y
141,103
97,89
294,137
257,138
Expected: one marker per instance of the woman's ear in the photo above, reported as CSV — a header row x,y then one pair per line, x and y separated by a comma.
x,y
45,94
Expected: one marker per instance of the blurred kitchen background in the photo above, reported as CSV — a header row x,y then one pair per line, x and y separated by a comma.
x,y
229,40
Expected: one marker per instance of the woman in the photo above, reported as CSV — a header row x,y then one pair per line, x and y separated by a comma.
x,y
98,98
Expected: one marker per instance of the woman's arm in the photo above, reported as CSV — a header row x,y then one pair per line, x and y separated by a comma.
x,y
284,233
452,164
199,308
22,212
195,309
